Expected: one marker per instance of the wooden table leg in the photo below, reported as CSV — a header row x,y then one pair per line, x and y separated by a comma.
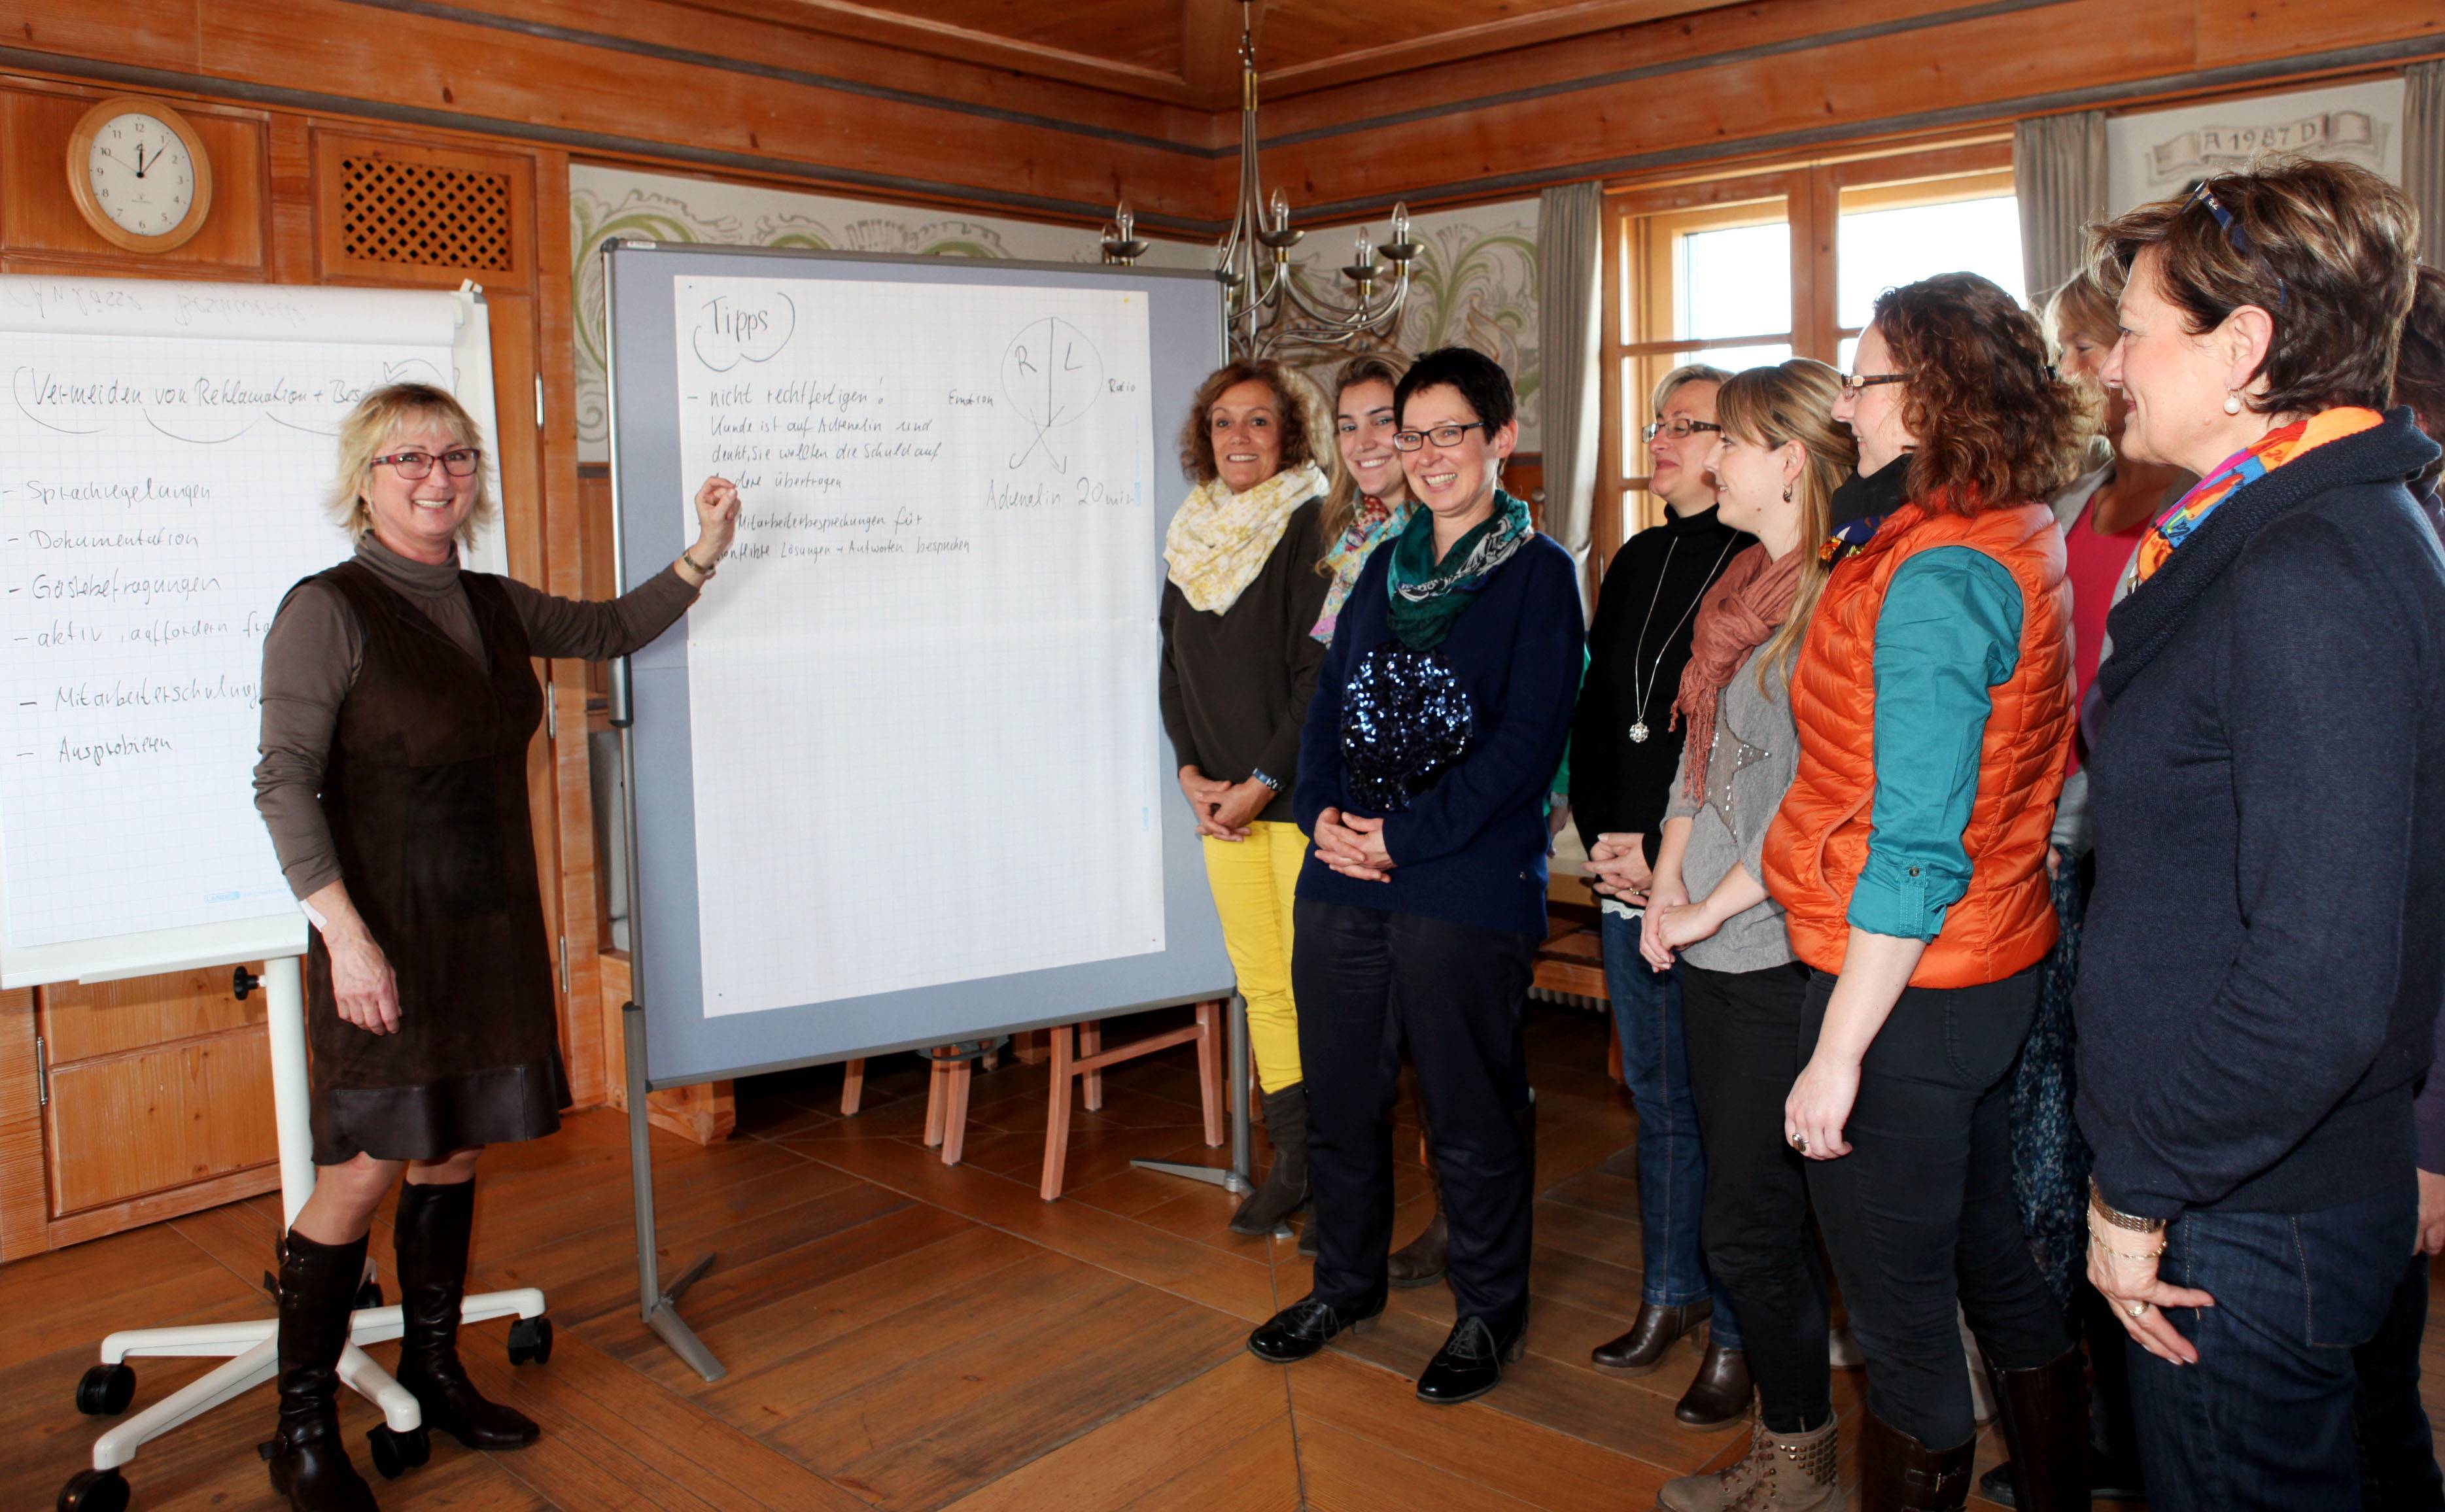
x,y
852,1088
1056,1124
1091,1042
1210,1068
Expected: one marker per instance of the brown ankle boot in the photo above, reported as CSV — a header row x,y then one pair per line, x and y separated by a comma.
x,y
1720,1393
1781,1472
1897,1473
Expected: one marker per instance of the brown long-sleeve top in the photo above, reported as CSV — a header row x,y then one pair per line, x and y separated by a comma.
x,y
315,648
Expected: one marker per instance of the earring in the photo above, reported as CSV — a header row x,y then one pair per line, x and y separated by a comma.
x,y
2233,403
1786,493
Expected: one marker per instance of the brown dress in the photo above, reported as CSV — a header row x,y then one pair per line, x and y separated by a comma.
x,y
399,704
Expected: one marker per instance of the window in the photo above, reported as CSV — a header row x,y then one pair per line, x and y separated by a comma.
x,y
1741,272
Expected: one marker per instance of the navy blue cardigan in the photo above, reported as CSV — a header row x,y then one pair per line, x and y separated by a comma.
x,y
1471,848
2264,958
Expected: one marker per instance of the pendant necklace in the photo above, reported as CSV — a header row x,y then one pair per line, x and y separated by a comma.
x,y
1641,689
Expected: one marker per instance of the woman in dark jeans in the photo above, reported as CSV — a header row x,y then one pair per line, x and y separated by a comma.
x,y
1439,719
2262,970
1932,703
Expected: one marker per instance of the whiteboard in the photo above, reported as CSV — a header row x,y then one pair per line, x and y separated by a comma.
x,y
163,456
899,777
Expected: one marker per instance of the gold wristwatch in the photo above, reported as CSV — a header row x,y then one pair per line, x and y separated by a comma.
x,y
2116,1217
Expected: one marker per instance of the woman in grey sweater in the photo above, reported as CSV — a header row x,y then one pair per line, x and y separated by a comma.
x,y
1780,460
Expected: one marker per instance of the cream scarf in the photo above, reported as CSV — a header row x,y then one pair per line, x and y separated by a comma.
x,y
1220,540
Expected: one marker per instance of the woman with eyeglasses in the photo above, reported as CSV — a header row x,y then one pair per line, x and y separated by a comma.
x,y
399,700
1439,719
2262,967
1933,703
1625,743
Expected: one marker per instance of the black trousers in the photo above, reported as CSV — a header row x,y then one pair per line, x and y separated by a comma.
x,y
1365,979
2397,1456
1742,1033
1920,1217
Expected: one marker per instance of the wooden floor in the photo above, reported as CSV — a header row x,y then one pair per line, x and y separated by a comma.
x,y
909,1336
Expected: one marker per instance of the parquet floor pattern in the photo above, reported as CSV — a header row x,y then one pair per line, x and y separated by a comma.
x,y
910,1337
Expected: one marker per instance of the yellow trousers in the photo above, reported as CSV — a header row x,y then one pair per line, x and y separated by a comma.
x,y
1254,881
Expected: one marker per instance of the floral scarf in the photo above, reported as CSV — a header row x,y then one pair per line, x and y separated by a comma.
x,y
2239,471
1375,521
1220,540
1429,597
1739,614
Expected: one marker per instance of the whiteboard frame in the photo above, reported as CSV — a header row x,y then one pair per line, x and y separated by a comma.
x,y
684,1046
188,947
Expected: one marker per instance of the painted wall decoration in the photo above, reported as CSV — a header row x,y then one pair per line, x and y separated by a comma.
x,y
1476,284
2155,154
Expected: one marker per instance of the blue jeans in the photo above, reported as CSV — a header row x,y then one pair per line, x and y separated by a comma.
x,y
2265,1419
1671,1166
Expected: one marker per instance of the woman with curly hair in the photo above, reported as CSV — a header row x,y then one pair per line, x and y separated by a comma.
x,y
1933,703
1241,598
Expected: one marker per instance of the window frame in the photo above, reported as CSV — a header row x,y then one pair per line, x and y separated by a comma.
x,y
1643,218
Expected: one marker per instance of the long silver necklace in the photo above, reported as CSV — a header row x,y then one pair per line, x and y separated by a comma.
x,y
1640,689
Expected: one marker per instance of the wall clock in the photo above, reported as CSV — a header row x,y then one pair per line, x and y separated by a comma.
x,y
139,174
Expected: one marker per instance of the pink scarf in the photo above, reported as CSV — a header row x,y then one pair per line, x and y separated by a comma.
x,y
1739,614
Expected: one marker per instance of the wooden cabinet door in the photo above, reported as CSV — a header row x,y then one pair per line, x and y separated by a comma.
x,y
156,1083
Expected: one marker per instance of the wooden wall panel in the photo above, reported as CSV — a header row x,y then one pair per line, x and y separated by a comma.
x,y
81,1022
42,220
24,1205
126,1125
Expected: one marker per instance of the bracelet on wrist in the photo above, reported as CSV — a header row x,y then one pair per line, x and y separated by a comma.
x,y
702,570
1258,774
2125,1253
2099,1205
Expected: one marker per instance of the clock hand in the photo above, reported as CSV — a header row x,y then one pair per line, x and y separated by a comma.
x,y
139,160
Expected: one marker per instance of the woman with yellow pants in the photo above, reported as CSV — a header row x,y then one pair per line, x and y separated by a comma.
x,y
1241,596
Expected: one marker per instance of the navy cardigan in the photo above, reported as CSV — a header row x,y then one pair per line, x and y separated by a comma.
x,y
1471,848
2263,961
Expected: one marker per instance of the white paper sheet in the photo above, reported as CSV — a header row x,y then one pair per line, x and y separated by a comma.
x,y
157,497
922,691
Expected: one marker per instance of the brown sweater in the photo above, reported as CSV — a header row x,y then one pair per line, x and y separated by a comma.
x,y
315,648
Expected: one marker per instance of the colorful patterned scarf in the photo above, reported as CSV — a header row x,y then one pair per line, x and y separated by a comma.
x,y
1220,540
1428,596
2239,471
1375,521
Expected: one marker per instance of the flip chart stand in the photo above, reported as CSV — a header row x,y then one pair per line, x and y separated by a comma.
x,y
656,1304
401,1442
1235,1178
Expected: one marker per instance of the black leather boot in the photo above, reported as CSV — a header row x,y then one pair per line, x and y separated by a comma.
x,y
1897,1473
1285,1188
318,1292
2045,1425
1307,1326
430,1232
1470,1363
1421,1261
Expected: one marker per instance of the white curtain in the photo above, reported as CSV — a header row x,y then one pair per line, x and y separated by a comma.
x,y
2058,175
2423,154
1569,254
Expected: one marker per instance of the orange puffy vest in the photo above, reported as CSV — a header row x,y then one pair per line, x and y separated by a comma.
x,y
1819,843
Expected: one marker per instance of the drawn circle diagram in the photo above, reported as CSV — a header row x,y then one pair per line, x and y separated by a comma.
x,y
1050,373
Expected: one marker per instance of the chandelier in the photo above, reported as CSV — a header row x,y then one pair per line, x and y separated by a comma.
x,y
1266,305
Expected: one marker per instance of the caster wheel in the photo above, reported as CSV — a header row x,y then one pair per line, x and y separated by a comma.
x,y
105,1390
395,1454
530,1341
369,1295
95,1491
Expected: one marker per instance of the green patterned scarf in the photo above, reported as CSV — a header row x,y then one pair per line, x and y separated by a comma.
x,y
1429,597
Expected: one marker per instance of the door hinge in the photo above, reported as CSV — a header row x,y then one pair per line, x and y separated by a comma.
x,y
42,1073
564,965
538,401
550,712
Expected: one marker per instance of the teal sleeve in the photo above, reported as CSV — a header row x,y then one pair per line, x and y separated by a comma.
x,y
1950,631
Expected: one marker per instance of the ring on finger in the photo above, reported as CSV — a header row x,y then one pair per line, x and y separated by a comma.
x,y
1800,1143
2136,1309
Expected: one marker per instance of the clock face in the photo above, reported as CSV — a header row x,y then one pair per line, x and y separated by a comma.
x,y
142,176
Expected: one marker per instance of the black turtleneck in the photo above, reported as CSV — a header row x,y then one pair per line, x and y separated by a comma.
x,y
1636,649
1878,493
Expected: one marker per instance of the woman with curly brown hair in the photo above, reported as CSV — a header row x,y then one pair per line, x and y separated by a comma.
x,y
1933,703
1241,598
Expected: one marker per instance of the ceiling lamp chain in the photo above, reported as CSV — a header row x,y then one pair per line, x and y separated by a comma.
x,y
1265,306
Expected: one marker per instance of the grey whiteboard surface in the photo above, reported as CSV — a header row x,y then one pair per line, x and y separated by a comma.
x,y
683,1044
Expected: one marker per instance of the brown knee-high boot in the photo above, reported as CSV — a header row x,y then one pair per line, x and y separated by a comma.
x,y
1897,1473
2045,1425
318,1292
1420,1262
431,1231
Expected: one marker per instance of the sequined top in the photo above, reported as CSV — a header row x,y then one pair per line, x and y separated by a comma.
x,y
1748,770
1453,748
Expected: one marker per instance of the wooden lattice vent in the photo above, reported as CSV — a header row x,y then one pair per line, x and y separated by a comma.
x,y
427,214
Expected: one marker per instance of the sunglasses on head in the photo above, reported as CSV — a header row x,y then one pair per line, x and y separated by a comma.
x,y
2236,235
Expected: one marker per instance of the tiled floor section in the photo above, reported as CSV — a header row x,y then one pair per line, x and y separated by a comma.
x,y
905,1336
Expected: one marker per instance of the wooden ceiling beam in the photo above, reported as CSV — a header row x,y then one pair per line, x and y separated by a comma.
x,y
1209,50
